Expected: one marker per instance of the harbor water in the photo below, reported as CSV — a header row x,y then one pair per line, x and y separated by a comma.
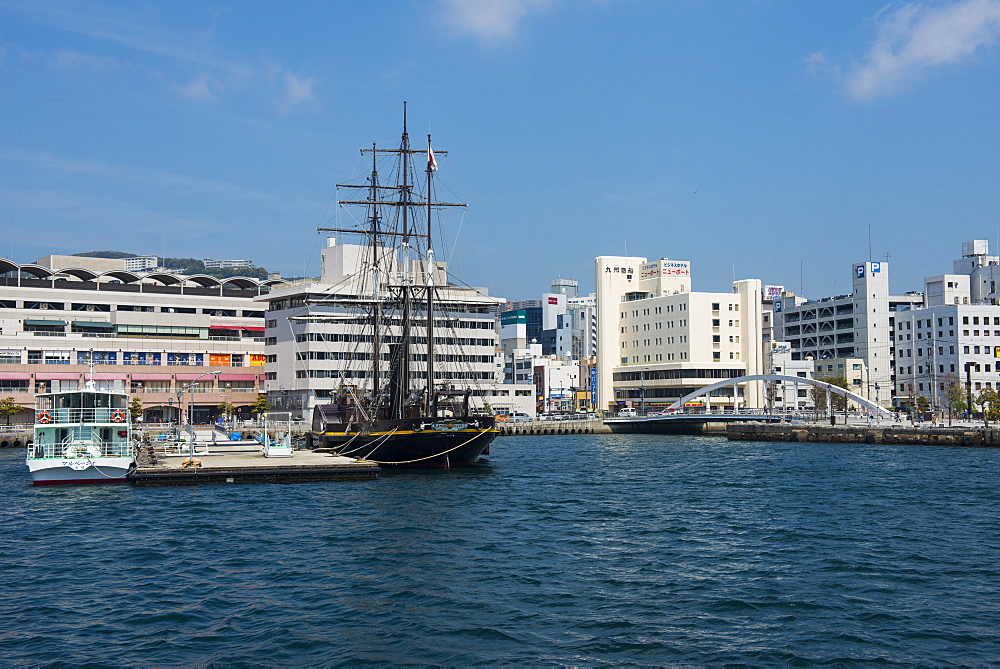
x,y
577,549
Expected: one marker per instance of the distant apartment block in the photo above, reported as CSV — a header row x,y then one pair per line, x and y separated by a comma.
x,y
141,263
227,264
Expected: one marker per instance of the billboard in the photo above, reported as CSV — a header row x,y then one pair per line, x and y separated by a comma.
x,y
771,293
665,268
513,317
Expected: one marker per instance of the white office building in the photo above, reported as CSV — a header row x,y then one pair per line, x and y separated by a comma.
x,y
313,341
860,324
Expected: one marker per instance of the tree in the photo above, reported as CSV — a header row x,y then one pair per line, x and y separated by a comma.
x,y
923,406
260,406
819,397
839,402
990,403
954,396
135,408
226,410
8,408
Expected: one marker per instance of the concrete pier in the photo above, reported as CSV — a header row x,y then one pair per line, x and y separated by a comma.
x,y
242,462
852,434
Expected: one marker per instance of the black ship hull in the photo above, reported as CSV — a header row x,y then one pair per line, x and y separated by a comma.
x,y
412,443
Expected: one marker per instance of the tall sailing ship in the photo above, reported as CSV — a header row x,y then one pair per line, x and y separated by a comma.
x,y
407,391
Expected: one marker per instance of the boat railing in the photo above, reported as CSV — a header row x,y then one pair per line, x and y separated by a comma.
x,y
82,415
73,447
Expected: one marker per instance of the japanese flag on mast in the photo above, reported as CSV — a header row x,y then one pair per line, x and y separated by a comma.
x,y
432,164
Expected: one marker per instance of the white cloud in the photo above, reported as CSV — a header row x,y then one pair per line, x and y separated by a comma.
x,y
915,40
74,60
489,21
297,91
199,88
217,76
818,64
177,183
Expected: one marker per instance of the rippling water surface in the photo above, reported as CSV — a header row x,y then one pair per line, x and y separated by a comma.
x,y
610,549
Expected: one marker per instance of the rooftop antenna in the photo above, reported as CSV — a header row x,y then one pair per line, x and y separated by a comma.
x,y
802,290
869,242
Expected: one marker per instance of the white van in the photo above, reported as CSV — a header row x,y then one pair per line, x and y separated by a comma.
x,y
628,413
517,417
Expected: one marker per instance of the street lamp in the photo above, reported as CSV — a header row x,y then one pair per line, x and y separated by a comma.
x,y
190,389
229,407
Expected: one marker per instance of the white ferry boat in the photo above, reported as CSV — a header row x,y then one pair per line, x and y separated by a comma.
x,y
81,436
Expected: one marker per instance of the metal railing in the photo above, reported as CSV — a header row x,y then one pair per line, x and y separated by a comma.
x,y
80,415
81,448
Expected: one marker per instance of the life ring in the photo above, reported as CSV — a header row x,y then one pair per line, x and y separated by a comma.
x,y
44,417
118,416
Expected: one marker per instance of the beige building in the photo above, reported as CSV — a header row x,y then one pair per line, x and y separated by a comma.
x,y
658,340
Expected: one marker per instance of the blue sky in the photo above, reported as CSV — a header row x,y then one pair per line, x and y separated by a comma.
x,y
761,139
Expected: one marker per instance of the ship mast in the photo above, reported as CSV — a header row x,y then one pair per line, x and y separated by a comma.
x,y
407,256
402,388
431,394
376,287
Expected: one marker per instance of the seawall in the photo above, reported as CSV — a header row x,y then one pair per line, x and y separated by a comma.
x,y
539,427
940,436
13,438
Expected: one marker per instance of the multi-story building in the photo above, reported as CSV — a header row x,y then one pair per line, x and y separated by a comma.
x,y
955,337
147,334
783,395
315,345
658,341
227,264
857,325
945,344
141,263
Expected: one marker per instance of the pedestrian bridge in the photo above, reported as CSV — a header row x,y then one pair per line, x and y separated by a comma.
x,y
677,421
864,403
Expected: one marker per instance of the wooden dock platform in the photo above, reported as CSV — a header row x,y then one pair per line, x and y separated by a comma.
x,y
242,462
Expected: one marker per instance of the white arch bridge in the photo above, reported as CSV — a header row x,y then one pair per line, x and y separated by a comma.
x,y
864,403
703,422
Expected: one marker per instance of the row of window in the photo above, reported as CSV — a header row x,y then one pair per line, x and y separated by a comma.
x,y
366,355
682,355
204,386
141,358
392,339
364,374
102,308
303,300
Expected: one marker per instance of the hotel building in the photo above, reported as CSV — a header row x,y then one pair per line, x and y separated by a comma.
x,y
658,341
